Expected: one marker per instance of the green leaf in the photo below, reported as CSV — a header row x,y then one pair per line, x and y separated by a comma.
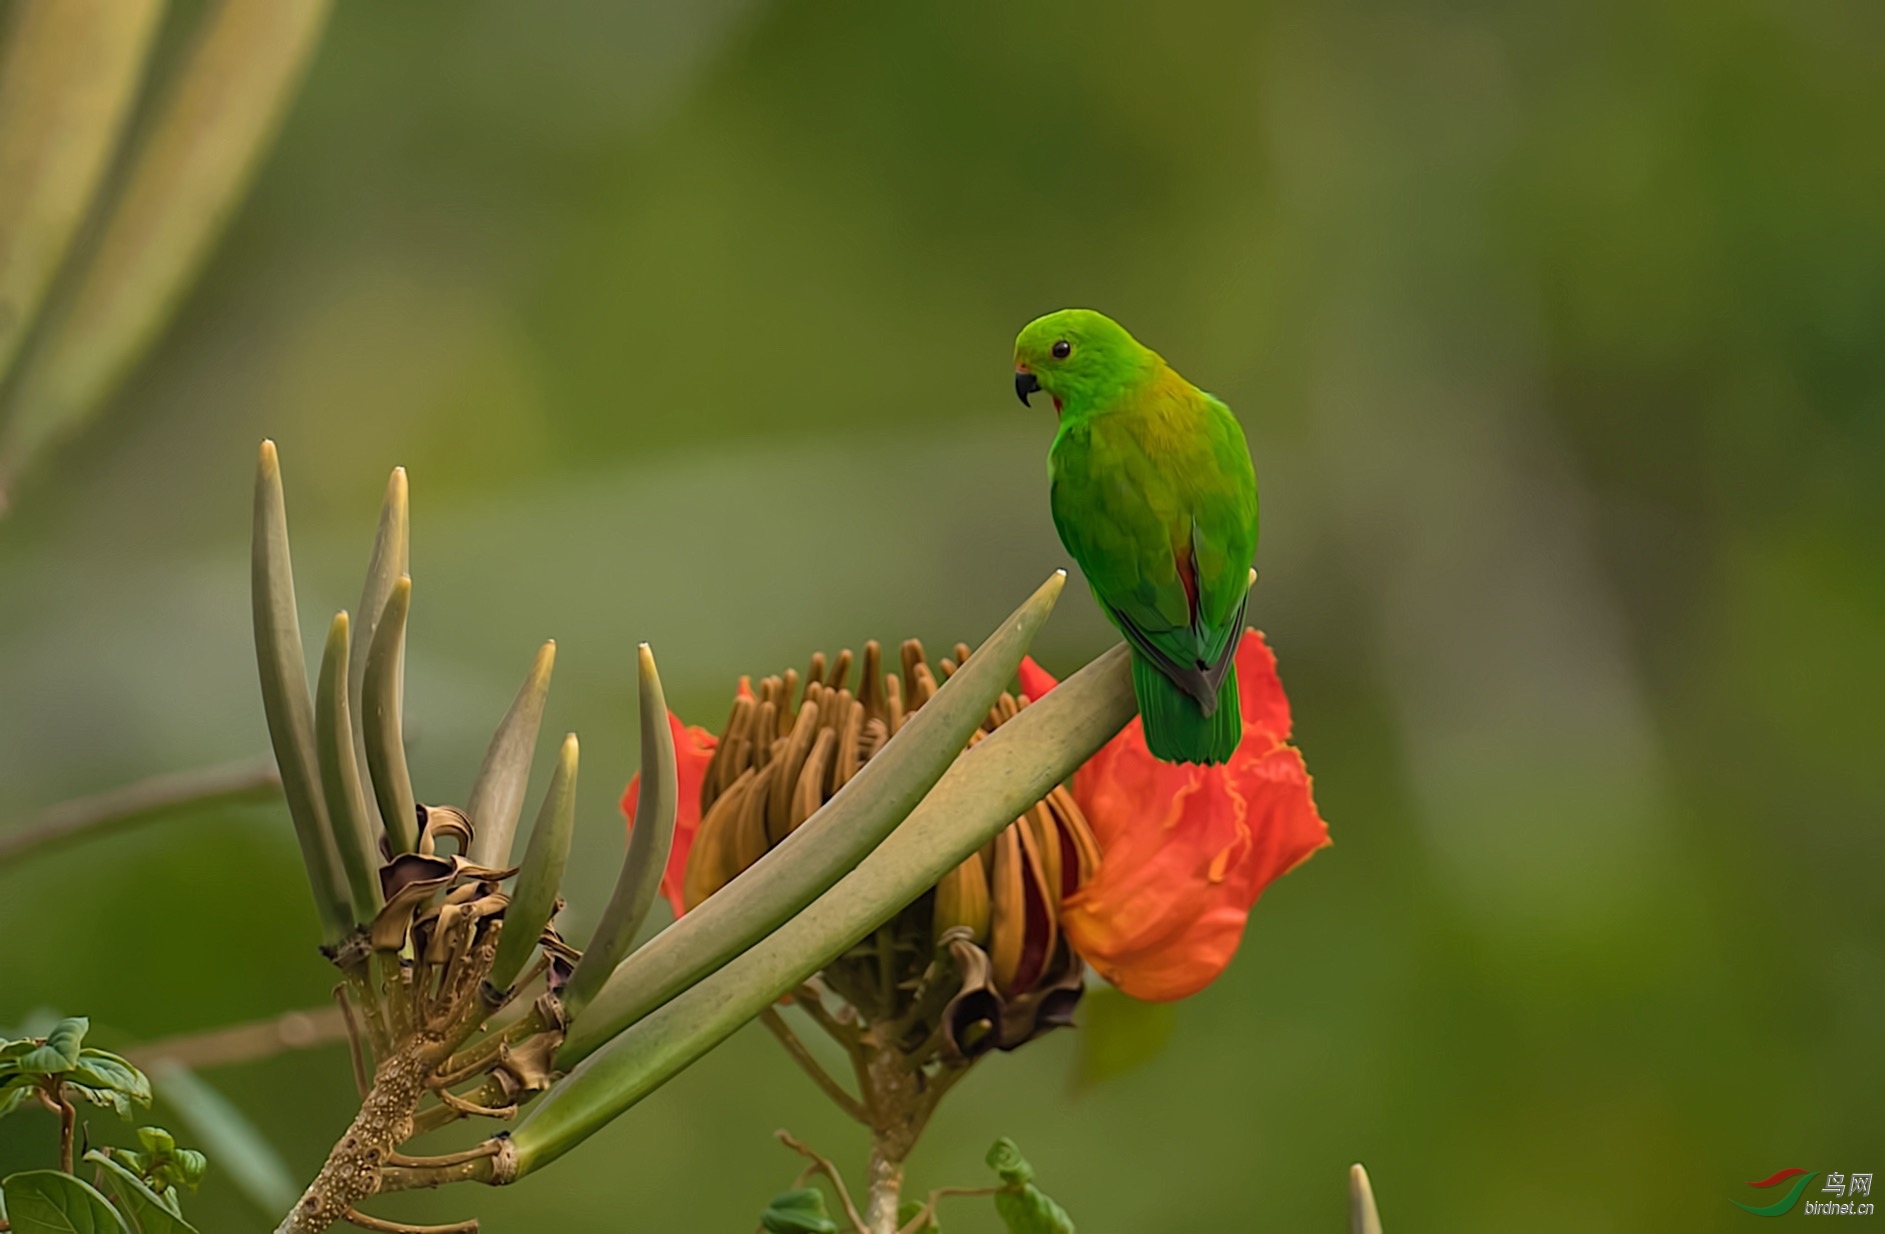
x,y
497,795
105,1098
907,1212
983,791
156,1141
199,146
340,775
145,1211
639,881
385,568
1119,1034
60,1050
826,848
382,704
286,701
1023,1207
799,1211
13,1096
186,1169
49,1202
102,1069
533,897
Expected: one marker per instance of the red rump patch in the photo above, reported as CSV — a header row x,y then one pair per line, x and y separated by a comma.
x,y
1188,576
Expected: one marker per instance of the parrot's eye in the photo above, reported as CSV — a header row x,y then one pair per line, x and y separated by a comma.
x,y
1062,349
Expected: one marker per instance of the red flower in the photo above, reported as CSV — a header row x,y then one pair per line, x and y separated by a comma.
x,y
693,750
1186,850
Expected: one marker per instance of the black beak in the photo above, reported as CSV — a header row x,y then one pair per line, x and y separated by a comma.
x,y
1025,383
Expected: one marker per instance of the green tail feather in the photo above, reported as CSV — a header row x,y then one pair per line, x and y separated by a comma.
x,y
1176,730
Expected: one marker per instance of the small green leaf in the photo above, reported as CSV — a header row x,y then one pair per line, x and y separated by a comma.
x,y
49,1202
1119,1034
156,1141
799,1211
907,1212
146,1211
59,1052
102,1069
243,1154
187,1168
105,1098
1024,1208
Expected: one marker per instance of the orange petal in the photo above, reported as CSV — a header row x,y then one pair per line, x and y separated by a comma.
x,y
693,750
1187,850
1265,706
1035,680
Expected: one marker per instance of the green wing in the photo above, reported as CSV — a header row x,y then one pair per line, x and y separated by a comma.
x,y
1135,507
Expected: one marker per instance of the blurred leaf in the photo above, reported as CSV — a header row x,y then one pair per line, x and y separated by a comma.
x,y
144,1210
497,795
1024,1208
102,1069
799,1211
67,85
907,1212
184,182
15,1094
60,1051
1119,1034
238,1145
49,1202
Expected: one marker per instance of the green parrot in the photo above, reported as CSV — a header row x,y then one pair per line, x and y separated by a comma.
x,y
1154,494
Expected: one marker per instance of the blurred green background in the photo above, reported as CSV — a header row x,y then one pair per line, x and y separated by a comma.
x,y
1558,330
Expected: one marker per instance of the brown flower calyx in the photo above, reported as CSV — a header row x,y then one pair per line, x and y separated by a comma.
x,y
979,962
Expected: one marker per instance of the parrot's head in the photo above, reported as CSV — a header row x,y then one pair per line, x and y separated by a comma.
x,y
1078,356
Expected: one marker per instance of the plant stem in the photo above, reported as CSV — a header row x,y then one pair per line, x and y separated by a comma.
x,y
886,1191
775,1022
142,802
241,1043
68,1123
897,1112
